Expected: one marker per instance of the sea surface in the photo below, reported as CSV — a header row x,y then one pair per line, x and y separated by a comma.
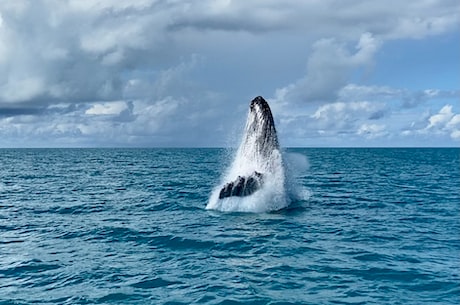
x,y
130,226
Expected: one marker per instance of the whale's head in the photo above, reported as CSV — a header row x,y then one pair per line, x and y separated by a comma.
x,y
260,128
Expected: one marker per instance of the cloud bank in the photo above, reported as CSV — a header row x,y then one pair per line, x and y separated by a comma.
x,y
181,73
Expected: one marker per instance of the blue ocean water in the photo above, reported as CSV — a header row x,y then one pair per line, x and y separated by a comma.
x,y
129,226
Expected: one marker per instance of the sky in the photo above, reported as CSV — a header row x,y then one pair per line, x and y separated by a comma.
x,y
180,73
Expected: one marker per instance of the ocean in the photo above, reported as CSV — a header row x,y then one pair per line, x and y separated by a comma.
x,y
131,226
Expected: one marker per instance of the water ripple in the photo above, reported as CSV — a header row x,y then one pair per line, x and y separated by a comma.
x,y
121,226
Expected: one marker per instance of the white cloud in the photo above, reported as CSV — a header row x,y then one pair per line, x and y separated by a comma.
x,y
338,123
351,92
101,6
342,116
372,131
441,119
111,108
419,27
21,88
403,97
143,34
454,122
444,123
341,111
455,134
115,37
165,71
390,19
328,69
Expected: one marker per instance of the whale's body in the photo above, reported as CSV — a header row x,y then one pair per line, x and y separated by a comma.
x,y
260,143
257,180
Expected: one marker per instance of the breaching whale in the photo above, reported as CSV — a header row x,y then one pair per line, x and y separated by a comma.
x,y
259,144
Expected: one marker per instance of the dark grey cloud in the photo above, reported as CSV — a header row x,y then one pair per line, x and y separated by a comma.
x,y
377,115
9,112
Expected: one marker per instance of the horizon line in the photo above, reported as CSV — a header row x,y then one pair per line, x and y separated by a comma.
x,y
211,147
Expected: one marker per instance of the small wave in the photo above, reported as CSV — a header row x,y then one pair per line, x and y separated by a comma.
x,y
117,296
180,243
29,267
154,283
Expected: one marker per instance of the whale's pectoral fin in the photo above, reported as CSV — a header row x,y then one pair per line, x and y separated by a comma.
x,y
242,186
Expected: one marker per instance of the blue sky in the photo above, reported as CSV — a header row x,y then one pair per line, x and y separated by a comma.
x,y
182,73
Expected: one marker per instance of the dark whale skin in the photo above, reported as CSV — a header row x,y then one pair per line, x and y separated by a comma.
x,y
242,186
